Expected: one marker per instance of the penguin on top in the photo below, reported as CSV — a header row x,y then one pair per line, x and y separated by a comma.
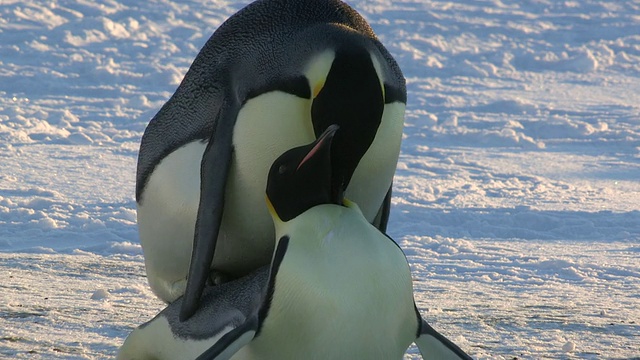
x,y
273,76
337,287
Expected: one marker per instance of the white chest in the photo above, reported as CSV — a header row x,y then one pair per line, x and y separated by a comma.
x,y
347,296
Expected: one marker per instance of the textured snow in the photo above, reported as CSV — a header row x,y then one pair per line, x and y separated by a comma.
x,y
516,196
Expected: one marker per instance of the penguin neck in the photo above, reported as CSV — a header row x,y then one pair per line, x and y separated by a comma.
x,y
321,220
351,97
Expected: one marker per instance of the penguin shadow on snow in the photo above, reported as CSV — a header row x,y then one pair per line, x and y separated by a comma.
x,y
520,222
54,226
337,287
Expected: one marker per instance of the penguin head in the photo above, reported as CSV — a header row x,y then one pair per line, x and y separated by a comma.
x,y
352,96
301,178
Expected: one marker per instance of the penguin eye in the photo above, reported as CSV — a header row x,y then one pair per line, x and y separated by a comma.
x,y
282,169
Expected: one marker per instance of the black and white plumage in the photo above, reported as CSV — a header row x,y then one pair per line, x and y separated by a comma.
x,y
224,307
274,76
337,287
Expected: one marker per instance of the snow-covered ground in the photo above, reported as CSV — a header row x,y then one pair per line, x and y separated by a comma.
x,y
516,197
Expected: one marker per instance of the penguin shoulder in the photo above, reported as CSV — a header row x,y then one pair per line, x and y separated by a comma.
x,y
342,228
315,223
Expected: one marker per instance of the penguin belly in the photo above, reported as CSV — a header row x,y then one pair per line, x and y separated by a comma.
x,y
167,218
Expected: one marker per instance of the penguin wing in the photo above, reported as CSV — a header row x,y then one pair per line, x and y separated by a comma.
x,y
433,345
225,322
232,341
382,218
214,169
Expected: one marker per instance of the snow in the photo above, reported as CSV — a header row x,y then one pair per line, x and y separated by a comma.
x,y
516,196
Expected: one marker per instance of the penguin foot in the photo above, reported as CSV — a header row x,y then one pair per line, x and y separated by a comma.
x,y
218,277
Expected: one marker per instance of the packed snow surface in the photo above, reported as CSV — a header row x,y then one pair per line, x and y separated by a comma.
x,y
516,196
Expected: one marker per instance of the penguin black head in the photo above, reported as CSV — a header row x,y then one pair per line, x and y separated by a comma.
x,y
301,178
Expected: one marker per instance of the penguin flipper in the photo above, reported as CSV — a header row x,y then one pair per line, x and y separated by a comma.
x,y
382,218
232,341
224,322
433,345
214,170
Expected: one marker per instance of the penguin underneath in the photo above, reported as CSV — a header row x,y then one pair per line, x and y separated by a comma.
x,y
272,77
337,288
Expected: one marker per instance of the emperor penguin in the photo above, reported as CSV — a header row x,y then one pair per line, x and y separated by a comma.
x,y
272,77
337,287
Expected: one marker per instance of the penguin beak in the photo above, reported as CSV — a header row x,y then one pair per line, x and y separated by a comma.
x,y
323,142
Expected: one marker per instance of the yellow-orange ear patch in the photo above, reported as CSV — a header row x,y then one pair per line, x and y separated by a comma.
x,y
272,211
317,88
317,69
